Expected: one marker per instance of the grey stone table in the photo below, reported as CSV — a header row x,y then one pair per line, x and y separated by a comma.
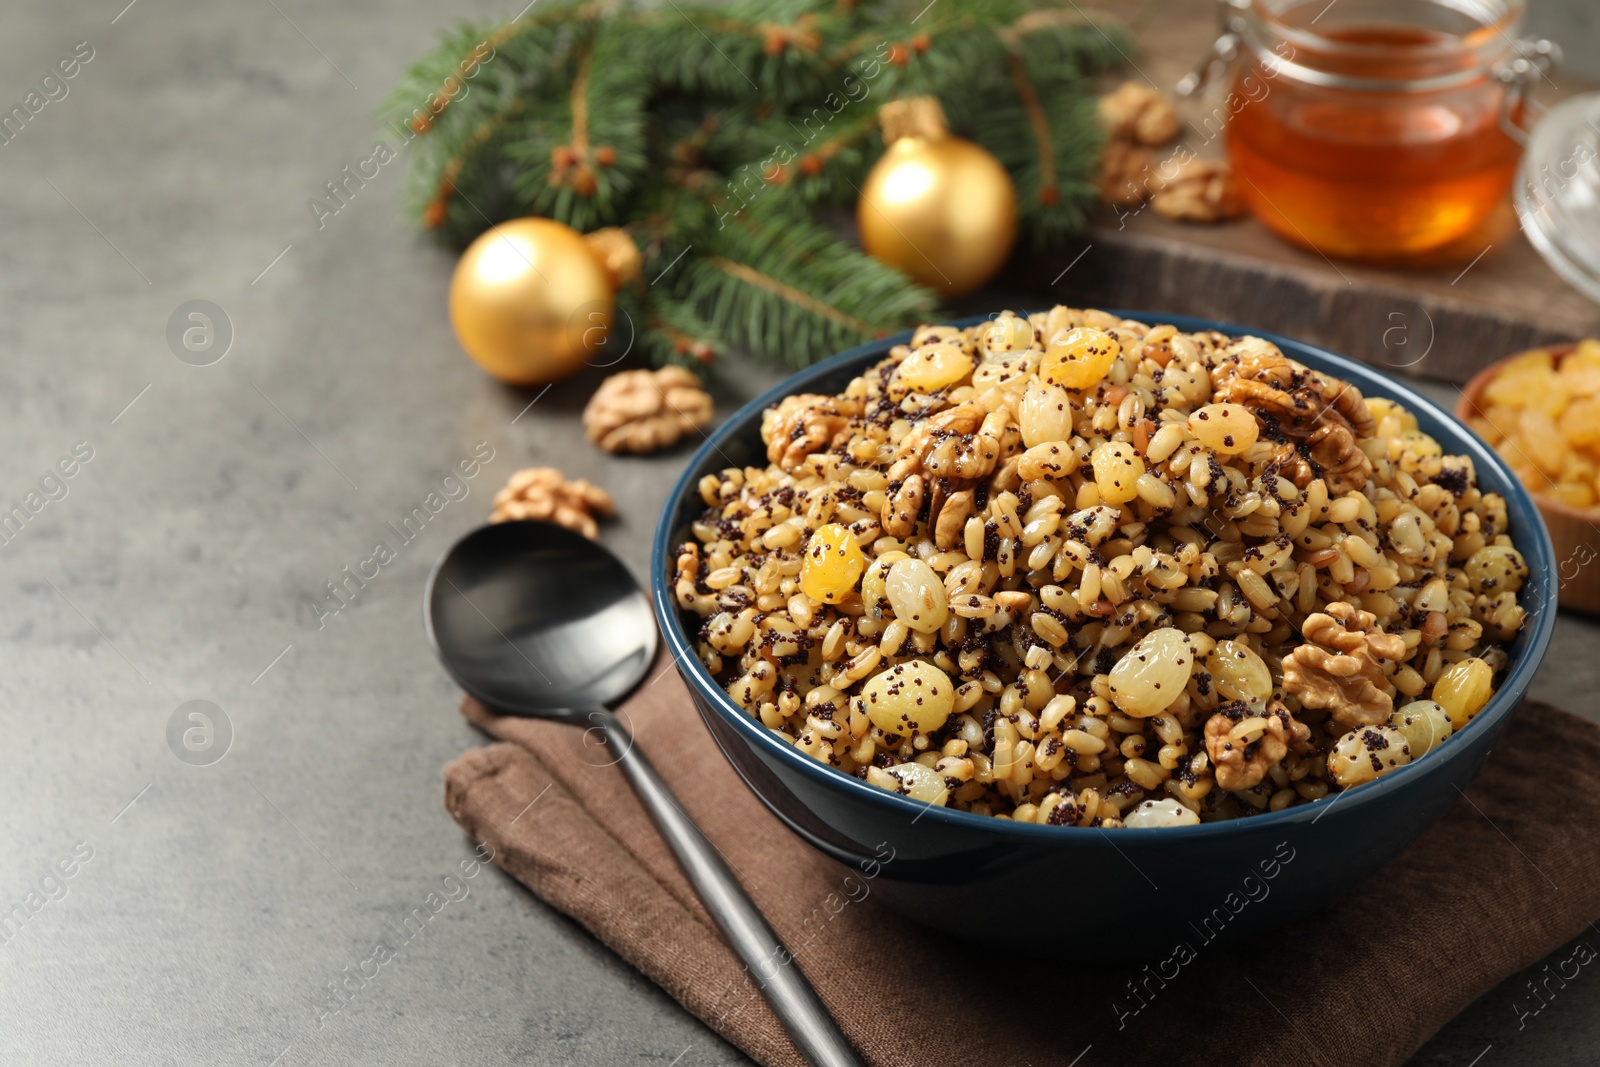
x,y
199,914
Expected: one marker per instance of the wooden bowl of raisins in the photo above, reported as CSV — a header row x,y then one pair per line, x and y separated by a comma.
x,y
1540,409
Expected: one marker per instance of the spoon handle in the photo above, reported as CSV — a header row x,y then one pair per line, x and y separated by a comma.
x,y
792,999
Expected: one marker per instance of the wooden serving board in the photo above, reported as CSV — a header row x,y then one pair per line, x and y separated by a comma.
x,y
1481,299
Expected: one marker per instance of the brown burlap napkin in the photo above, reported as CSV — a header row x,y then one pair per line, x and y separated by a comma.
x,y
1510,873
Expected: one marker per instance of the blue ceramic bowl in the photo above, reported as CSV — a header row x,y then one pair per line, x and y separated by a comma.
x,y
1036,888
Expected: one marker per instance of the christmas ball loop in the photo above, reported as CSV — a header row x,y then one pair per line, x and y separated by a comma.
x,y
532,299
939,208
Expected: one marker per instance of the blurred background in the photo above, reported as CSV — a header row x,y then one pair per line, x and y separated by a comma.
x,y
1572,21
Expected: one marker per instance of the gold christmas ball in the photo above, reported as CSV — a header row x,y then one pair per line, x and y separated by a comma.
x,y
939,208
531,300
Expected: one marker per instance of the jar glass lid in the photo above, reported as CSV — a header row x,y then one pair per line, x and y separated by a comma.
x,y
1558,191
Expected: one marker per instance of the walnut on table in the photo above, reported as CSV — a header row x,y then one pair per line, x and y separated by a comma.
x,y
1136,117
643,411
1139,113
543,493
1339,667
1126,174
1200,190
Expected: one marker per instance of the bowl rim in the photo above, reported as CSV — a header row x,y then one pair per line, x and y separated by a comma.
x,y
1538,629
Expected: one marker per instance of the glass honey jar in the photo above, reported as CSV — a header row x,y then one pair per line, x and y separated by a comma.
x,y
1375,129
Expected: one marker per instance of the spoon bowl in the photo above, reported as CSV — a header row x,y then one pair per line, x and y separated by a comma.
x,y
536,620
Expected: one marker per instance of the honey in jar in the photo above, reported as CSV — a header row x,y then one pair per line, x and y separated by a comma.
x,y
1374,130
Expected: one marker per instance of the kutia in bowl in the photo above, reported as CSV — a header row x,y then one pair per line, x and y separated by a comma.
x,y
1540,409
1147,655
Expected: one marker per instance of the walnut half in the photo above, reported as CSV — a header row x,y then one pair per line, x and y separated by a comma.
x,y
802,424
1200,191
1335,453
959,442
1125,174
1339,667
1259,376
643,411
1243,746
542,493
1139,113
1320,420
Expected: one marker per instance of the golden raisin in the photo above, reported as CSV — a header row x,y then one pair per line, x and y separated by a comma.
x,y
910,697
1117,467
833,564
1080,358
1153,673
1225,428
1463,689
933,367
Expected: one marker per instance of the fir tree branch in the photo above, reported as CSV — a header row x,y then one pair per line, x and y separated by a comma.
x,y
709,130
676,334
1048,138
460,183
774,283
1069,40
833,170
1037,122
746,50
583,153
820,153
791,295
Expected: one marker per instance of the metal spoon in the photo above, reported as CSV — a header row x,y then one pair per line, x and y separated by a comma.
x,y
538,621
